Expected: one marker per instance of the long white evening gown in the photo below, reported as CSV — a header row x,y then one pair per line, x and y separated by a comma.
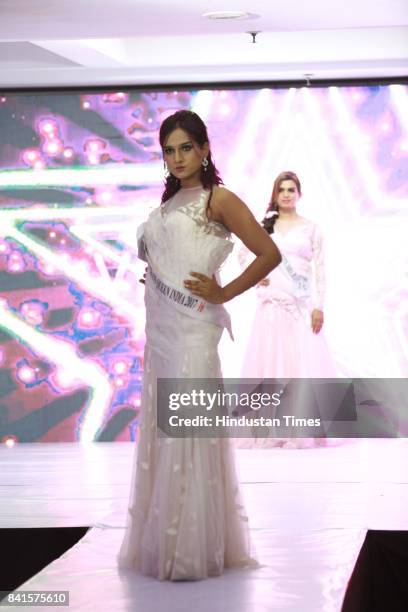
x,y
186,519
281,343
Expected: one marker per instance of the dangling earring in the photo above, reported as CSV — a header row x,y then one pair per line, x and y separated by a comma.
x,y
204,164
167,173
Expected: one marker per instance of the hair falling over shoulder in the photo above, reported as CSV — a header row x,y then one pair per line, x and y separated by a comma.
x,y
191,123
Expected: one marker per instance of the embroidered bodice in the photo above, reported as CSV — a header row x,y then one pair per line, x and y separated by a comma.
x,y
180,239
302,246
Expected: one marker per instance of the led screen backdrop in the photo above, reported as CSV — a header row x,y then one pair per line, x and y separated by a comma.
x,y
80,171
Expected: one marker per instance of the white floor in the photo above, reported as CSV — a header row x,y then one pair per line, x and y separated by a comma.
x,y
309,511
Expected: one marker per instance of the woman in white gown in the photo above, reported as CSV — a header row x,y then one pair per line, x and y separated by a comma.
x,y
186,520
286,340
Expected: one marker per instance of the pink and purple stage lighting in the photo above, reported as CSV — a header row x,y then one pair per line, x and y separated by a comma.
x,y
80,172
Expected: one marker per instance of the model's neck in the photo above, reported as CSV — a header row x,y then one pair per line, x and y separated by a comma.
x,y
190,182
288,215
196,186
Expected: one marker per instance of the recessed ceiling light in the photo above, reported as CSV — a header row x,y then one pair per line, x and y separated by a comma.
x,y
228,15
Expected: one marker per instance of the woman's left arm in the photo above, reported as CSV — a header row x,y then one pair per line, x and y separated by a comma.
x,y
228,209
319,280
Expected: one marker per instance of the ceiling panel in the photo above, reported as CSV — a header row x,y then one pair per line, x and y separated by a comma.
x,y
118,42
72,19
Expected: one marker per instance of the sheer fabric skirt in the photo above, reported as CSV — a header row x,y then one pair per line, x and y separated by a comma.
x,y
283,345
186,520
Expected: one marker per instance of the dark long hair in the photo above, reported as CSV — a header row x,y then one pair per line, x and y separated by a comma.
x,y
195,127
270,220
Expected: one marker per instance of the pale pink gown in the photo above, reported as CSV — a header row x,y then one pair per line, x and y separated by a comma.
x,y
281,343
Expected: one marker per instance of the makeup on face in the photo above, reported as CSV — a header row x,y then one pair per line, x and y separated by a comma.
x,y
288,193
182,155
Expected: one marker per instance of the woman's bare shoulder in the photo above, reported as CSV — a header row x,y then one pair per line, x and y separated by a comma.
x,y
222,193
224,197
224,203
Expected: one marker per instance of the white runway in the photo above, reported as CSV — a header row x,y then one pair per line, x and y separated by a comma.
x,y
309,511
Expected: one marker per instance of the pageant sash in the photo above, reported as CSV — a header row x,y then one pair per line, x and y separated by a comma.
x,y
301,283
187,303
